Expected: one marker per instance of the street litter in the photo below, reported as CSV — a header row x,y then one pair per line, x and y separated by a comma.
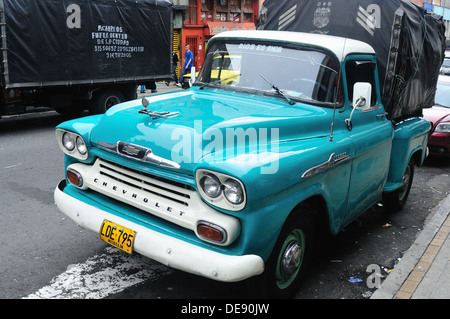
x,y
367,294
354,280
388,270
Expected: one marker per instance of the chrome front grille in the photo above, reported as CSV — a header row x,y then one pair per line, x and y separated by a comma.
x,y
153,185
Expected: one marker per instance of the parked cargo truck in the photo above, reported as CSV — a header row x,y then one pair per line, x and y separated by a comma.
x,y
75,55
283,134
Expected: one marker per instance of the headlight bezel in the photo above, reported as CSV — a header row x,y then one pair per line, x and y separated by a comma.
x,y
221,200
76,139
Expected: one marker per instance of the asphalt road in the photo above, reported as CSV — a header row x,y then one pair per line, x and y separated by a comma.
x,y
43,254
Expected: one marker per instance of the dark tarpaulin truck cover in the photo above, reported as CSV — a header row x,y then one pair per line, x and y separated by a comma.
x,y
63,42
409,42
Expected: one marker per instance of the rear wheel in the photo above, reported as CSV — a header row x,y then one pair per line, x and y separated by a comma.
x,y
104,100
394,201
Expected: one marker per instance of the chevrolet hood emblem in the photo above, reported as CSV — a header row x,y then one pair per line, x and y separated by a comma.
x,y
144,154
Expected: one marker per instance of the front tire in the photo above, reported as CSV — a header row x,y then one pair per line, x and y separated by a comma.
x,y
288,260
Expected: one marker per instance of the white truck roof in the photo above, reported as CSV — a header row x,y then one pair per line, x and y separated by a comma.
x,y
338,45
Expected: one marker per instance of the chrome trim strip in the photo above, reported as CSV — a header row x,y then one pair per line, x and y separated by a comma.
x,y
332,161
107,146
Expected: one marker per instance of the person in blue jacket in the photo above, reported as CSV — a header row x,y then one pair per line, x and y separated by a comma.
x,y
188,63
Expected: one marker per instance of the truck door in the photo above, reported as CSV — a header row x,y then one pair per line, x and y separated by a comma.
x,y
371,135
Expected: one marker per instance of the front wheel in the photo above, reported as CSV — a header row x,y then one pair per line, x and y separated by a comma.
x,y
289,258
394,201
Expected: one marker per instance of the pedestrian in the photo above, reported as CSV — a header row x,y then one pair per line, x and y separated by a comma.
x,y
152,85
188,64
175,61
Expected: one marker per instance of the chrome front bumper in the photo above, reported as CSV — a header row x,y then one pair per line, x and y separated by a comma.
x,y
165,249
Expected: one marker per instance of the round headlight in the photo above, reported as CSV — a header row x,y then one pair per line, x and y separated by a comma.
x,y
81,146
68,141
233,192
211,185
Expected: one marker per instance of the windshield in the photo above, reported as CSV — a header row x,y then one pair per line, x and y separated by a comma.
x,y
298,74
443,94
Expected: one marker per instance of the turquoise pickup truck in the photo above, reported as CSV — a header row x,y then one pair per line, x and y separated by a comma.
x,y
231,178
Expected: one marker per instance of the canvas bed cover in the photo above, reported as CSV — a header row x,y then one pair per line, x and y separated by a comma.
x,y
409,42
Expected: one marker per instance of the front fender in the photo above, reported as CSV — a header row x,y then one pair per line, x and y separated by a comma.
x,y
271,198
82,126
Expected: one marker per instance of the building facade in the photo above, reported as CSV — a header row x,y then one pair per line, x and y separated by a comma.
x,y
440,7
196,21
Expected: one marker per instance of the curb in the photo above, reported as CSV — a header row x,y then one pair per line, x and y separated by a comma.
x,y
392,285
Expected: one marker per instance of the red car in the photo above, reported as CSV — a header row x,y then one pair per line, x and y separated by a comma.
x,y
439,116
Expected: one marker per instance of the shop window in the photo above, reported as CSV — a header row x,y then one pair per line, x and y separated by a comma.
x,y
191,14
222,6
207,5
207,10
247,9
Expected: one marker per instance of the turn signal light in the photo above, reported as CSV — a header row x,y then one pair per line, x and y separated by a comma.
x,y
211,232
74,177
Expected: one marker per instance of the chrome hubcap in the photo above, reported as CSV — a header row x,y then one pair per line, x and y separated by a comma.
x,y
291,258
405,181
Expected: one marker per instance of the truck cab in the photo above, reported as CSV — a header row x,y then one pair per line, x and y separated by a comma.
x,y
231,178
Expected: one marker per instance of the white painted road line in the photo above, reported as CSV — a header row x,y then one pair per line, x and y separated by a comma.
x,y
102,275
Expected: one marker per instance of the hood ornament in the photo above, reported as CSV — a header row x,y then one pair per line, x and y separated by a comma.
x,y
155,115
144,154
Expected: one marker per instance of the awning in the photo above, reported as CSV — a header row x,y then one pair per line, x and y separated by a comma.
x,y
218,27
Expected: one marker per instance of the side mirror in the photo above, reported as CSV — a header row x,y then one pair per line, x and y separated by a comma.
x,y
192,80
362,95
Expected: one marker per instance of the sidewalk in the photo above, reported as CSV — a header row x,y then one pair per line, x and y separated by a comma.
x,y
424,270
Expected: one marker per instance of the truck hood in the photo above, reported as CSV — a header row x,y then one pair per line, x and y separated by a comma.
x,y
209,121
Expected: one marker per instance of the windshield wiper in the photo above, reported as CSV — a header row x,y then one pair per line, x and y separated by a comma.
x,y
278,90
219,80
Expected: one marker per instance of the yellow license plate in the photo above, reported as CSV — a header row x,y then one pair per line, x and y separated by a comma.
x,y
117,235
